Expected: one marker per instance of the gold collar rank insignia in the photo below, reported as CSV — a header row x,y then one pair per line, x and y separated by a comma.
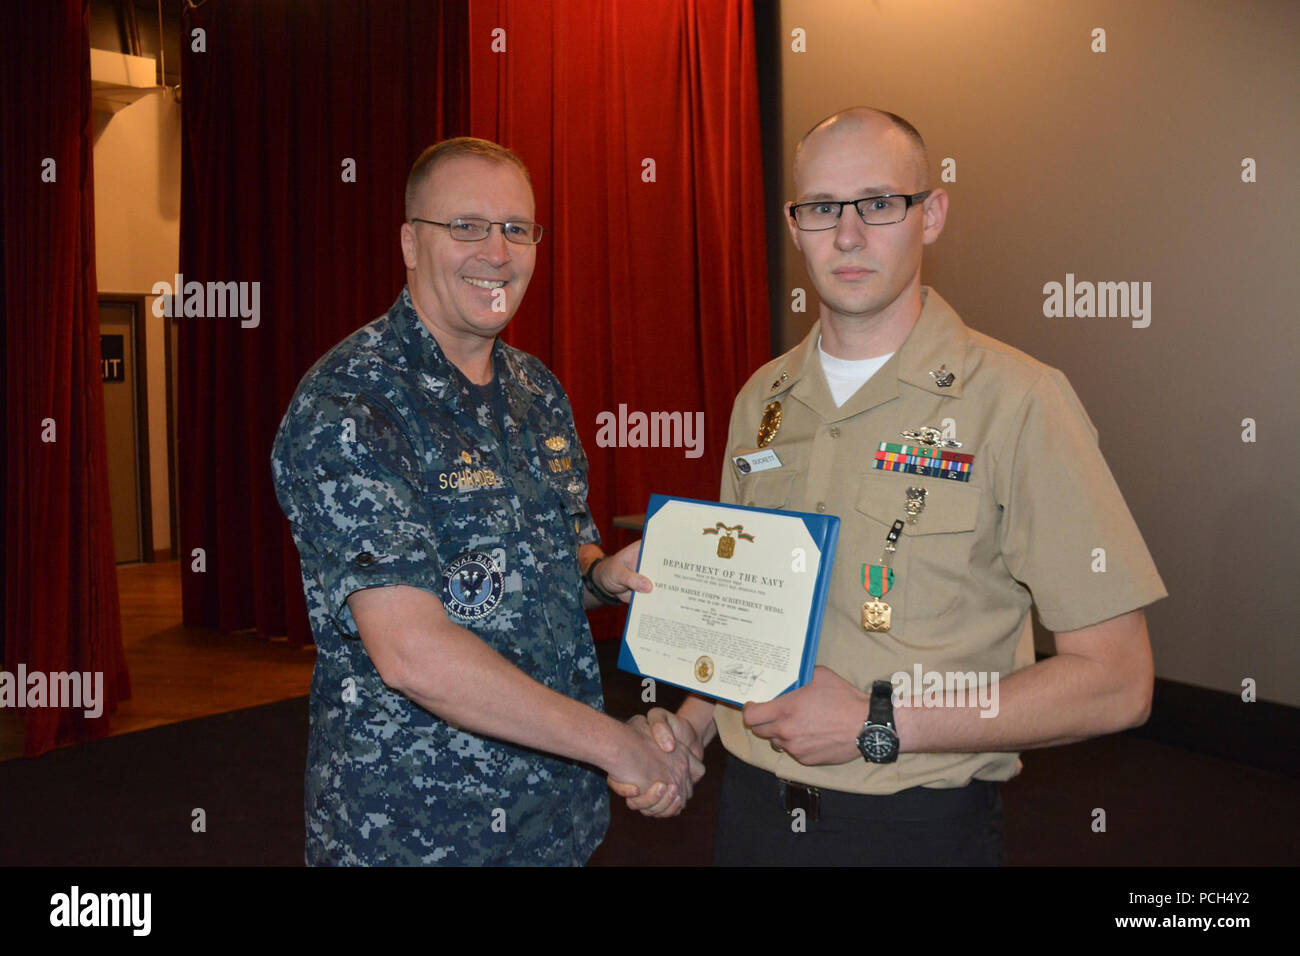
x,y
525,380
771,422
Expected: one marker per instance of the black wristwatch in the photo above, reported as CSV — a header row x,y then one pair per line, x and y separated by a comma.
x,y
878,740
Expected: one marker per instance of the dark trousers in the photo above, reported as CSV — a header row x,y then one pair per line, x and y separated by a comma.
x,y
916,827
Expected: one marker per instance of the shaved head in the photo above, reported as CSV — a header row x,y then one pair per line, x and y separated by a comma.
x,y
866,274
867,119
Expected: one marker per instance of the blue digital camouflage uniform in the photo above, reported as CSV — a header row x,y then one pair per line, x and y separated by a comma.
x,y
391,474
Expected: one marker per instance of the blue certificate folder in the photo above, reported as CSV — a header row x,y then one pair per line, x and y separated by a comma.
x,y
824,531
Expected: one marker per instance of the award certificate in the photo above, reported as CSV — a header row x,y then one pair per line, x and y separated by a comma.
x,y
738,598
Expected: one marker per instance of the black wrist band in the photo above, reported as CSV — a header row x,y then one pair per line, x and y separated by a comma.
x,y
588,579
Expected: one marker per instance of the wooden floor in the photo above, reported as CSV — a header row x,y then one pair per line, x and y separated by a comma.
x,y
179,673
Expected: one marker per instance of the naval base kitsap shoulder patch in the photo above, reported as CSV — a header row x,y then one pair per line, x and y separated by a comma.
x,y
472,585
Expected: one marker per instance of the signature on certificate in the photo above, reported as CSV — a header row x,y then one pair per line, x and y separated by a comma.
x,y
742,676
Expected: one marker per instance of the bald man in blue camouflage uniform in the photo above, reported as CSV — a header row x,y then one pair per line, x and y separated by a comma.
x,y
436,489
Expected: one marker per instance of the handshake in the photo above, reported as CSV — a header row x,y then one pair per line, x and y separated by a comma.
x,y
660,756
662,760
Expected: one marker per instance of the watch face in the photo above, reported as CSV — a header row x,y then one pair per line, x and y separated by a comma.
x,y
878,744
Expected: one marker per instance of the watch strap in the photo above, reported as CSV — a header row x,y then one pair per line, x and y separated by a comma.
x,y
603,596
882,704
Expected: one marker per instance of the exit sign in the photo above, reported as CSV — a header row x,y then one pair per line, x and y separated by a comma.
x,y
114,357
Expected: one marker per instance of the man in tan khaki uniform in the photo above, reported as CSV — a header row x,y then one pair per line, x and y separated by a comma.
x,y
1023,511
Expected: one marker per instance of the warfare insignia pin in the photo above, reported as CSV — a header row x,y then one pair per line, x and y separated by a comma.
x,y
472,585
930,436
466,457
557,443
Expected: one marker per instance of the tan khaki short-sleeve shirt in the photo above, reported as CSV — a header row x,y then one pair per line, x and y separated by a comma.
x,y
1039,503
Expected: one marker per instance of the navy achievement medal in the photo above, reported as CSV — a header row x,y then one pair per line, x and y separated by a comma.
x,y
767,428
877,579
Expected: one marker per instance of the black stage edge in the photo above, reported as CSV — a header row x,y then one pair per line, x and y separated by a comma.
x,y
132,800
1258,734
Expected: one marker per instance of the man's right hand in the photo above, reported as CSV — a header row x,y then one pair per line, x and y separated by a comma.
x,y
675,738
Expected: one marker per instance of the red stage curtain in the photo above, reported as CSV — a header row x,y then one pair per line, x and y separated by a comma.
x,y
651,295
282,95
60,580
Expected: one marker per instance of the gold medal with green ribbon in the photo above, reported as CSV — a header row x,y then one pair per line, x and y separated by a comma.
x,y
877,579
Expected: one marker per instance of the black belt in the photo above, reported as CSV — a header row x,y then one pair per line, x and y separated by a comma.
x,y
798,796
793,796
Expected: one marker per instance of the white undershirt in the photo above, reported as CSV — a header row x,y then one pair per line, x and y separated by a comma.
x,y
846,376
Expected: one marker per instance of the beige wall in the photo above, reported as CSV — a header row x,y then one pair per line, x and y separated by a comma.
x,y
137,241
1122,165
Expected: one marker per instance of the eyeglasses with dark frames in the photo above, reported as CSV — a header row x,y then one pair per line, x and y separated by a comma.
x,y
823,214
472,229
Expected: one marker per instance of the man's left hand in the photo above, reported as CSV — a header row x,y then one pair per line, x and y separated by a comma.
x,y
617,574
816,724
